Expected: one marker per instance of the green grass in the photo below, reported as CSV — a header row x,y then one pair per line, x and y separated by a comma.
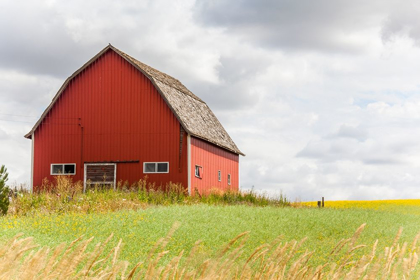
x,y
215,225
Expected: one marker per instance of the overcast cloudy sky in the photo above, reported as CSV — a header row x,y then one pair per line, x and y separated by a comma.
x,y
322,96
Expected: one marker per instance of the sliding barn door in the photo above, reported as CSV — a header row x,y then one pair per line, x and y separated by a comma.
x,y
100,175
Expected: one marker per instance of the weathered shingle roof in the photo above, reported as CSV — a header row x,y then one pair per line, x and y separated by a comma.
x,y
192,112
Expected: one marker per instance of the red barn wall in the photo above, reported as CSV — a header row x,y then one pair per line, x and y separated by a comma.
x,y
212,159
124,118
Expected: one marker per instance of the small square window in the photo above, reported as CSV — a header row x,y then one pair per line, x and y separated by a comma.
x,y
150,167
57,169
69,169
198,171
162,167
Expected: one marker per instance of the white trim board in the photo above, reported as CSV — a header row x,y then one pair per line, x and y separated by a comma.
x,y
32,163
189,162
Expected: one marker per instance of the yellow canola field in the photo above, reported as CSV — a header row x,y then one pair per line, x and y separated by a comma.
x,y
408,206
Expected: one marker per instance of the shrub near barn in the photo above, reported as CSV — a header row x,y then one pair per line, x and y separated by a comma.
x,y
4,191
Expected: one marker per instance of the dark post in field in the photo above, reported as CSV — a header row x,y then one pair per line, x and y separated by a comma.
x,y
321,203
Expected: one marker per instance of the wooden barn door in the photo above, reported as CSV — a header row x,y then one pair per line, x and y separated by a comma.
x,y
100,174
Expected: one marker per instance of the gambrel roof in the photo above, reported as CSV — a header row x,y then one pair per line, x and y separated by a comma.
x,y
193,113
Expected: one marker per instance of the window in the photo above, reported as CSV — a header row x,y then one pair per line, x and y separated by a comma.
x,y
198,171
162,167
63,169
156,167
229,179
219,175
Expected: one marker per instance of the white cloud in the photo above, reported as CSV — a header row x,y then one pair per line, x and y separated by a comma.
x,y
403,21
327,25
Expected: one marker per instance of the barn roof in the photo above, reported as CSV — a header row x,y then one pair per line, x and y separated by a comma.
x,y
192,112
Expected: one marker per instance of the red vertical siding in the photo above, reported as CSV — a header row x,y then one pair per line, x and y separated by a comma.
x,y
123,117
212,159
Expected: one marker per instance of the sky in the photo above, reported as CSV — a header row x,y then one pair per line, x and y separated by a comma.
x,y
322,96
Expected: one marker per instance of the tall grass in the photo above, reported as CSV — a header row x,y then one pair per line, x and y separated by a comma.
x,y
63,195
21,259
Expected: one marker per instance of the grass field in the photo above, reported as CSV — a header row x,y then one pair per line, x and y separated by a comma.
x,y
216,225
140,219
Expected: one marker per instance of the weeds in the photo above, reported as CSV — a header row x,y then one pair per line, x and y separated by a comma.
x,y
4,191
65,196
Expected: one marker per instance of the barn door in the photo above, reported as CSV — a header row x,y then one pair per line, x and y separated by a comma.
x,y
100,174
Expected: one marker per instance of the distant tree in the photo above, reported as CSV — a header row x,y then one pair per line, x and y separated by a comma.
x,y
4,191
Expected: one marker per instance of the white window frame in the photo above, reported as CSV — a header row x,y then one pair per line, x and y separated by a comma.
x,y
228,179
156,165
219,175
62,164
200,174
113,184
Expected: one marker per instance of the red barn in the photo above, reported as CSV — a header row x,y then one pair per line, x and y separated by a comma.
x,y
117,119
